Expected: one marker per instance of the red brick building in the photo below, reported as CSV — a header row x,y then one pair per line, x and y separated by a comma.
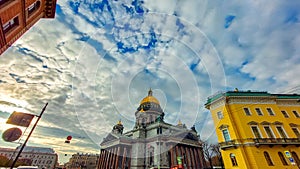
x,y
17,16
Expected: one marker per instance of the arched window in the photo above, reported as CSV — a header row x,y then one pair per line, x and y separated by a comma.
x,y
233,160
268,158
282,158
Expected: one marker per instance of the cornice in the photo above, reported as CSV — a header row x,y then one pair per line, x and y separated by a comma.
x,y
250,100
218,103
288,102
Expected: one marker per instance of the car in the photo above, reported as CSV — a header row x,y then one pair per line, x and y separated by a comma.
x,y
28,167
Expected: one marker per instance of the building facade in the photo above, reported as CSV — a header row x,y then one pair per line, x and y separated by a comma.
x,y
17,16
152,143
83,161
44,158
257,129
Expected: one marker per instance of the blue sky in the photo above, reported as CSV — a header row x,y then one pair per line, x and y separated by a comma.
x,y
96,60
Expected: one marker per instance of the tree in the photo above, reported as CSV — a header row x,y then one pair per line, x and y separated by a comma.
x,y
208,153
217,152
5,162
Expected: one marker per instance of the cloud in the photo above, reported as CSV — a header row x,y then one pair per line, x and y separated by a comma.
x,y
95,61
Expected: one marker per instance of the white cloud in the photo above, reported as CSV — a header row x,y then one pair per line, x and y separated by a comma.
x,y
73,61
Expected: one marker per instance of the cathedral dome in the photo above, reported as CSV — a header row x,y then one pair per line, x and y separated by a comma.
x,y
149,103
149,98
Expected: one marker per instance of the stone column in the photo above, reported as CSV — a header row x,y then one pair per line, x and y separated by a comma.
x,y
184,160
202,159
108,159
124,157
188,156
113,159
104,159
117,157
197,159
192,158
101,159
172,156
129,158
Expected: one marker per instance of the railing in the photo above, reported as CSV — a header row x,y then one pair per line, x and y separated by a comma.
x,y
228,144
260,141
292,141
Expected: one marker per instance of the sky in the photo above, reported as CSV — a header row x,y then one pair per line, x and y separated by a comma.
x,y
96,60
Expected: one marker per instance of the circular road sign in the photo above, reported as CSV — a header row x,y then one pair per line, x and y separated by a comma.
x,y
12,134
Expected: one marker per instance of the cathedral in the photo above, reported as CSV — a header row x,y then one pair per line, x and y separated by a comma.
x,y
152,143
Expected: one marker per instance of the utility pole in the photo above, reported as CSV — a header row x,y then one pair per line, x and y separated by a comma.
x,y
24,144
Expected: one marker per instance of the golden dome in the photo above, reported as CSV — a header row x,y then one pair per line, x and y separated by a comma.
x,y
149,98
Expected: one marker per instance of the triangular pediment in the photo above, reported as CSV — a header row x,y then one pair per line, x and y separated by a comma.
x,y
186,135
109,137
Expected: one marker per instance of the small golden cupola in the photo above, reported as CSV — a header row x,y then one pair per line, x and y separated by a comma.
x,y
118,128
179,123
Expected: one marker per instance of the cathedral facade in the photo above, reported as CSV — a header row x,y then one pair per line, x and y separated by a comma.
x,y
152,143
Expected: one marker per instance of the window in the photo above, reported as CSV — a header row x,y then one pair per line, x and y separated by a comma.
x,y
269,131
159,130
247,111
233,160
3,2
296,114
281,132
10,25
258,111
296,131
220,115
271,113
226,135
256,132
282,158
284,113
268,158
33,7
296,158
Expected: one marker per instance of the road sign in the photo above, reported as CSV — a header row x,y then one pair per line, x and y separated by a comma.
x,y
12,134
20,119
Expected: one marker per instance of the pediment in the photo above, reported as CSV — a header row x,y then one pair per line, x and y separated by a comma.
x,y
191,136
187,136
252,123
223,126
293,125
277,123
109,137
265,123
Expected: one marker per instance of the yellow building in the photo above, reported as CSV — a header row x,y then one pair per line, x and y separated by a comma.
x,y
257,129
